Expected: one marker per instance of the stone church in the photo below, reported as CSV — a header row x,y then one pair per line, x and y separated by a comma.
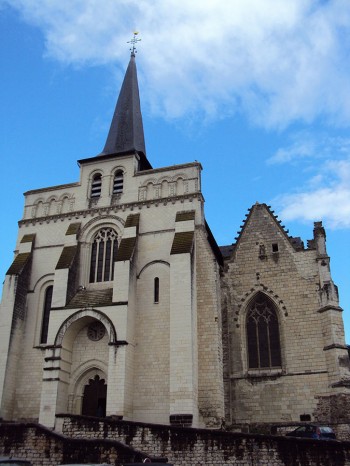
x,y
119,302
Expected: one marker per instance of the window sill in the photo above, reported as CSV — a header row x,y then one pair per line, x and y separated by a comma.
x,y
265,372
99,285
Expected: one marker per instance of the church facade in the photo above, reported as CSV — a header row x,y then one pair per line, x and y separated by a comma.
x,y
119,302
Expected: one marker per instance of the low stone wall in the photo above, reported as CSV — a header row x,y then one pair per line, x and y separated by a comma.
x,y
197,447
46,448
88,440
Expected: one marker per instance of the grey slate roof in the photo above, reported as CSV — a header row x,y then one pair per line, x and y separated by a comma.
x,y
19,263
182,242
126,131
227,251
126,249
67,257
90,298
185,215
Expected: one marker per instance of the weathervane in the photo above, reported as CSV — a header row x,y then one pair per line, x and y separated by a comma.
x,y
134,41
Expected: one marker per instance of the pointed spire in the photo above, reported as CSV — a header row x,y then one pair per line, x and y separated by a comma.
x,y
126,131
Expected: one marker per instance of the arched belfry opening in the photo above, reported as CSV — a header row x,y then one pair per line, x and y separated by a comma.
x,y
95,397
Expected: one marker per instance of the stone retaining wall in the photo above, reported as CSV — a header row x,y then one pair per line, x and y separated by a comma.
x,y
197,447
121,442
46,448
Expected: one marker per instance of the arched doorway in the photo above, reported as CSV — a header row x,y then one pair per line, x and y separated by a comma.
x,y
94,398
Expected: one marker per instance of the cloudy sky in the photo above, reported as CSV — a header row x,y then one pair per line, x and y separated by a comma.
x,y
258,92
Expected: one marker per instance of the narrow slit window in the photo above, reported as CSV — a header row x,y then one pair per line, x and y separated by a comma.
x,y
118,182
156,290
46,314
96,186
274,247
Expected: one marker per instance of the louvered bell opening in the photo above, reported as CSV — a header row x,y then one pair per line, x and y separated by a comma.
x,y
118,183
96,186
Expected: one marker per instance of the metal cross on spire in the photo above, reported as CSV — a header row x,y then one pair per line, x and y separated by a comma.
x,y
134,41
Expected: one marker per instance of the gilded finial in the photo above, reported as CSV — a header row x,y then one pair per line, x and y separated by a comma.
x,y
134,41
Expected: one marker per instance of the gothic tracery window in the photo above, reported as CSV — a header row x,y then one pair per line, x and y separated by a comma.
x,y
103,253
263,339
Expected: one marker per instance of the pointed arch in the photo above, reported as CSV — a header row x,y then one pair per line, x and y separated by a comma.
x,y
80,379
263,333
78,320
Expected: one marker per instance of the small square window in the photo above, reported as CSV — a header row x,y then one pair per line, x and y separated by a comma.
x,y
274,247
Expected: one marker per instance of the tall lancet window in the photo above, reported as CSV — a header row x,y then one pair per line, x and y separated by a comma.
x,y
46,314
264,349
96,185
118,182
103,253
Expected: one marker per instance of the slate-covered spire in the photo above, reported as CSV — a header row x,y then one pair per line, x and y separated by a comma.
x,y
126,131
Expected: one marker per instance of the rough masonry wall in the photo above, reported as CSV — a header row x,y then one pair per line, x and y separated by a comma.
x,y
45,448
188,446
289,278
19,287
210,377
181,446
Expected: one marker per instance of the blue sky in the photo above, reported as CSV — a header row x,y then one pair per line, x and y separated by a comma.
x,y
258,92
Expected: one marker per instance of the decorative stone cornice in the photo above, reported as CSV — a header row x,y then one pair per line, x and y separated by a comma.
x,y
52,188
171,167
126,207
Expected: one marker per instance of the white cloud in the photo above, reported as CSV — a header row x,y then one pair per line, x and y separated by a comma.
x,y
327,197
301,147
276,60
305,145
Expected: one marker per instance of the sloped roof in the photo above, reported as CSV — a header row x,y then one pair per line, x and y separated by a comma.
x,y
126,249
226,251
185,215
73,228
182,242
19,263
67,256
92,298
132,220
28,238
